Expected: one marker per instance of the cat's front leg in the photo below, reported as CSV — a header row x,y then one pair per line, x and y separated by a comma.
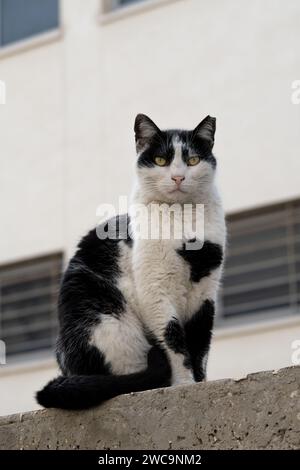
x,y
179,355
160,278
165,328
198,333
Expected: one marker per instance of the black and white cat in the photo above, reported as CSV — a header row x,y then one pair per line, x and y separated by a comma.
x,y
138,313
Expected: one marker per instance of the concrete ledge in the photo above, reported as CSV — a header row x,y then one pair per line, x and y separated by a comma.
x,y
261,411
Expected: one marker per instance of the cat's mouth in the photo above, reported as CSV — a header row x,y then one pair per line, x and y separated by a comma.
x,y
177,190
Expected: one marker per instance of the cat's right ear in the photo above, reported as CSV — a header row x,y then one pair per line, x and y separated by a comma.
x,y
145,130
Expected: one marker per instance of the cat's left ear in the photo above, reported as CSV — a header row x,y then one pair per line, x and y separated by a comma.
x,y
145,130
206,130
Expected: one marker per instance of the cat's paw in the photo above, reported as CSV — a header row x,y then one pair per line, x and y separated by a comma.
x,y
187,381
184,377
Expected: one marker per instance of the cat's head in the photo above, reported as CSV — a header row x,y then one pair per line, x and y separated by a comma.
x,y
174,165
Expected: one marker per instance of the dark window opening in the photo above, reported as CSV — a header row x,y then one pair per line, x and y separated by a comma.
x,y
262,268
127,2
22,19
28,298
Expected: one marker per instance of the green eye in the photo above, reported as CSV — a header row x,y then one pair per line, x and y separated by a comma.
x,y
160,161
192,161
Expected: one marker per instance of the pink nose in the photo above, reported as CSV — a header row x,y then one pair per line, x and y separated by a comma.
x,y
178,179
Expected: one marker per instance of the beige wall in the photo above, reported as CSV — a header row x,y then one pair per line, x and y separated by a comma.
x,y
31,156
238,351
67,140
20,383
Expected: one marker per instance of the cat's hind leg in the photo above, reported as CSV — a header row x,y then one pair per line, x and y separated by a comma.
x,y
122,342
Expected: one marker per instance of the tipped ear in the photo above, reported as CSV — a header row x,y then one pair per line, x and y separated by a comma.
x,y
206,130
145,130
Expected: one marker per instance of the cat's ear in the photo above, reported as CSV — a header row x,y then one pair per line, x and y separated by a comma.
x,y
206,130
145,130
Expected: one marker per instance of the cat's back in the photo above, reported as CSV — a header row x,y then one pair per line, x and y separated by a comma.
x,y
97,270
100,249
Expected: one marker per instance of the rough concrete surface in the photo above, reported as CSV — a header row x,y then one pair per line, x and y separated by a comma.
x,y
261,411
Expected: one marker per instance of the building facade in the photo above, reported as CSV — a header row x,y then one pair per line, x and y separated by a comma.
x,y
73,76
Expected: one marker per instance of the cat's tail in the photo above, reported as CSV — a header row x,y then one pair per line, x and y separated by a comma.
x,y
85,391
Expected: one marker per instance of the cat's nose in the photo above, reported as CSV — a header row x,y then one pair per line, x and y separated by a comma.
x,y
178,179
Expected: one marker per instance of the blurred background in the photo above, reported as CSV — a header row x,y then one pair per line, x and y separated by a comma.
x,y
73,75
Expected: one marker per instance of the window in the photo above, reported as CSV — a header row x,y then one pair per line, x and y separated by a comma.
x,y
126,2
262,270
22,19
28,296
113,4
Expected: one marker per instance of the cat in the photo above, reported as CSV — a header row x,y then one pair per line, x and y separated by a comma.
x,y
137,313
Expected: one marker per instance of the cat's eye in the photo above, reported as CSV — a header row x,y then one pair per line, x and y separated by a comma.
x,y
192,161
160,161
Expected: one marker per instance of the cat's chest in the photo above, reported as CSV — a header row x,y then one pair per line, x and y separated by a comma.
x,y
159,265
159,261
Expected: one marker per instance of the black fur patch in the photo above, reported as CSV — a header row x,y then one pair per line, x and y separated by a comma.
x,y
198,332
161,145
76,356
174,337
88,289
202,261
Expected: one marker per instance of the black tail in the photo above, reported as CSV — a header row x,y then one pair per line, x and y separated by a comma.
x,y
85,391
